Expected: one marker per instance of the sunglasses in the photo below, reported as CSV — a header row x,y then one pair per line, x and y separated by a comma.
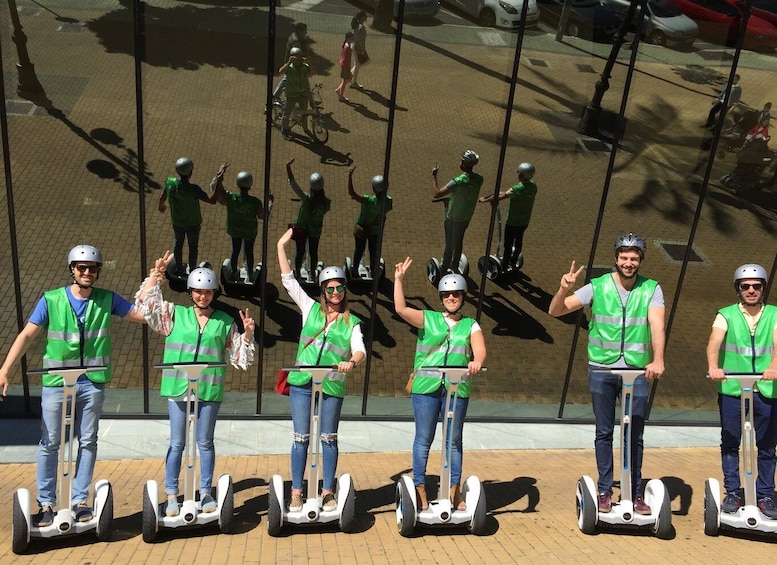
x,y
746,286
447,293
332,289
94,269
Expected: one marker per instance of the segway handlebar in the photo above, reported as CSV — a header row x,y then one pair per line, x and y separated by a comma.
x,y
182,365
742,376
443,368
57,370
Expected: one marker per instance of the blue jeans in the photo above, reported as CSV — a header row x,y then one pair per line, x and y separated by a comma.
x,y
206,426
605,391
329,414
427,411
765,422
193,235
89,406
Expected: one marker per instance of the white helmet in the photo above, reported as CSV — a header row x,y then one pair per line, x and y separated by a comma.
x,y
202,278
469,157
295,52
526,170
452,282
377,183
184,166
84,253
331,273
316,182
245,179
750,271
630,240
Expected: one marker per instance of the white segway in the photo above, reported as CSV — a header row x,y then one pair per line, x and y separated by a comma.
x,y
240,283
495,265
434,266
64,520
191,512
622,513
364,271
441,511
312,512
748,517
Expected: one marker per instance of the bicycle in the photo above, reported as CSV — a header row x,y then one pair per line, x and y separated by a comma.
x,y
318,128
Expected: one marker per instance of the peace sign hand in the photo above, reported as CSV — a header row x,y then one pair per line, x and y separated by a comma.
x,y
569,279
248,325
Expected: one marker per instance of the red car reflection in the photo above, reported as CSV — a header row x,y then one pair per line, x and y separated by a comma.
x,y
719,21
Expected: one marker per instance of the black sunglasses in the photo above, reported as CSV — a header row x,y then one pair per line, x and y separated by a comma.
x,y
447,293
746,286
91,268
332,289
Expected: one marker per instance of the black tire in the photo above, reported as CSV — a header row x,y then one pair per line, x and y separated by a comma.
x,y
657,38
487,18
478,524
277,114
663,526
19,532
319,131
574,28
348,516
105,523
274,516
710,511
149,517
227,513
586,509
407,508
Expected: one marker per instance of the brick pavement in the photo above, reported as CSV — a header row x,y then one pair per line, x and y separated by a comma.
x,y
531,516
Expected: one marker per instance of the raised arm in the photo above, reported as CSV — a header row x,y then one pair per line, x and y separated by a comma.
x,y
412,316
562,304
283,260
292,181
437,192
351,192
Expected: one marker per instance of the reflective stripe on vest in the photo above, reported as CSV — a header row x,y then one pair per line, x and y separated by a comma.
x,y
616,330
742,352
65,347
328,348
439,345
210,344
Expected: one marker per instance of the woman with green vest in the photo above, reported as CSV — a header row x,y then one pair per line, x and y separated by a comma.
x,y
743,339
331,335
194,333
444,338
369,221
312,208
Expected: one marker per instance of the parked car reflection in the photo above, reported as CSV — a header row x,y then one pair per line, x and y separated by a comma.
x,y
587,18
664,24
498,13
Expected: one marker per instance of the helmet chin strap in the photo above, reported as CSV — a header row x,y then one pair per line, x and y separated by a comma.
x,y
79,285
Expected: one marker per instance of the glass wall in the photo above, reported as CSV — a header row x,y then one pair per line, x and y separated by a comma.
x,y
103,97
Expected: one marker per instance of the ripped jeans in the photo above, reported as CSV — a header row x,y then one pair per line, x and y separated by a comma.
x,y
329,413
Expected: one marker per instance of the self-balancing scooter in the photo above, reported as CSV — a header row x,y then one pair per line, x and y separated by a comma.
x,y
178,279
495,265
64,520
312,512
434,266
240,283
747,517
364,271
191,513
441,511
622,514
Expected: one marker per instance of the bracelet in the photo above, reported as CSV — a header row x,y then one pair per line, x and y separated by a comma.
x,y
354,363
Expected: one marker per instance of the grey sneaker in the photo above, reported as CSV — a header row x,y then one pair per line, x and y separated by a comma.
x,y
731,503
82,511
44,517
171,508
207,504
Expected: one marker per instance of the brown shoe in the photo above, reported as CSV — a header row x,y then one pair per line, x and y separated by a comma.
x,y
605,502
456,501
420,491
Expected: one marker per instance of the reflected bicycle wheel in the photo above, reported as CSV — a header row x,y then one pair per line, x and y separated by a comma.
x,y
320,131
277,114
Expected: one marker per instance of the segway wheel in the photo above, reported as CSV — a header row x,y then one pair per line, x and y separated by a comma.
x,y
105,521
711,512
406,514
274,515
478,524
20,534
433,271
663,526
149,517
519,264
464,265
586,509
227,512
348,515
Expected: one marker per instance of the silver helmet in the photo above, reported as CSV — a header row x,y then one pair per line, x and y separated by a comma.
x,y
84,253
244,179
331,273
526,170
184,166
316,182
750,271
452,282
469,157
295,52
630,240
377,183
202,278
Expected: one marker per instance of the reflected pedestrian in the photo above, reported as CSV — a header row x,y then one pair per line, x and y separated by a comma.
x,y
310,218
359,46
368,222
345,67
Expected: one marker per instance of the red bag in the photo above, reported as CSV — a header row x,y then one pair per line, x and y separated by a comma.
x,y
298,233
282,384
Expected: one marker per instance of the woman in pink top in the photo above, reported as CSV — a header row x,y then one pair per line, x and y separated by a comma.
x,y
345,67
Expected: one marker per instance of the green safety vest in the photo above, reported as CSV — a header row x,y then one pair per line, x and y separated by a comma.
x,y
745,353
464,197
66,347
242,221
297,80
311,215
439,345
615,330
521,203
369,214
184,204
210,345
325,349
